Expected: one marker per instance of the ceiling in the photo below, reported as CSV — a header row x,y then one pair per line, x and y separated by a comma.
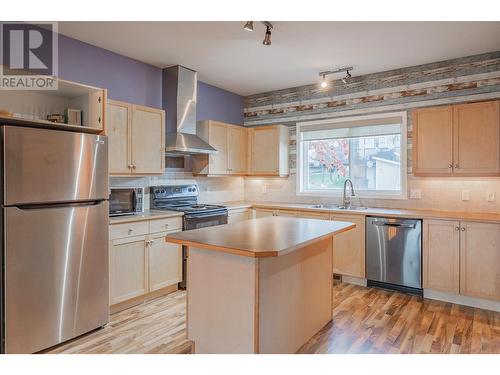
x,y
231,58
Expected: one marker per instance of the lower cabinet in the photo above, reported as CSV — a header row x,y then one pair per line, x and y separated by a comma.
x,y
142,264
127,268
462,258
237,215
349,248
165,262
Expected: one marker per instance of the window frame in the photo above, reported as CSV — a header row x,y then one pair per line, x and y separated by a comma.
x,y
378,194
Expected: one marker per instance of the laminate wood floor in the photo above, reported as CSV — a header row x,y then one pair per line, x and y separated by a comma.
x,y
365,320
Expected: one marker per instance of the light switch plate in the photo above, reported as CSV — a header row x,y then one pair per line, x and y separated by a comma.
x,y
490,196
415,194
465,195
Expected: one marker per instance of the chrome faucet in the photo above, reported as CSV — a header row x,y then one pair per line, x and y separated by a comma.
x,y
346,199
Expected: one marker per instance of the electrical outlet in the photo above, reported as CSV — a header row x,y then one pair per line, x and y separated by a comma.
x,y
465,195
490,196
415,194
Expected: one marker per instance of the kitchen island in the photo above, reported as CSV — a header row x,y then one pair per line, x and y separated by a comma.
x,y
259,286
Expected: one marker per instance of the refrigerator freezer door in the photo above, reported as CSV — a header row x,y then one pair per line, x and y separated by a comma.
x,y
56,274
43,165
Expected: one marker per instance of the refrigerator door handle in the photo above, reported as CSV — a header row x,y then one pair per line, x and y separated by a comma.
x,y
56,205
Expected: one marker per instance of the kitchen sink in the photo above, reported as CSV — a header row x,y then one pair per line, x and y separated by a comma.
x,y
337,207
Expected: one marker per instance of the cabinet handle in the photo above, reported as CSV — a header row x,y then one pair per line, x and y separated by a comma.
x,y
457,166
130,231
133,166
450,165
166,225
99,100
151,242
462,229
99,120
457,229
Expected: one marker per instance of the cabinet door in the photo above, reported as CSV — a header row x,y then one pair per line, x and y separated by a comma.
x,y
128,270
480,260
477,139
237,149
264,145
218,139
433,141
148,141
260,212
236,216
441,255
349,248
165,262
118,121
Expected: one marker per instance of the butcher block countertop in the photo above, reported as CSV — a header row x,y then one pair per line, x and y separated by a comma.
x,y
264,237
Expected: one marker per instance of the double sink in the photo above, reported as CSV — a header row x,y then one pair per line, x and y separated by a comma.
x,y
337,207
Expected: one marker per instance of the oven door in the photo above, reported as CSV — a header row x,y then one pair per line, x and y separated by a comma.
x,y
122,201
196,221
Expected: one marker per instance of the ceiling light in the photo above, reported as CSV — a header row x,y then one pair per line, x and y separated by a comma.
x,y
345,80
324,84
267,37
248,26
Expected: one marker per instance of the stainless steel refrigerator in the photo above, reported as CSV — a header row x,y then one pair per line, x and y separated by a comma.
x,y
54,274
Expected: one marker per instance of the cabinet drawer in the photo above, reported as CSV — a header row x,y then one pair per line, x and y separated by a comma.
x,y
128,230
162,225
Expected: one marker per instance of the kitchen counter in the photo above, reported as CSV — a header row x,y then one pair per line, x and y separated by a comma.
x,y
146,215
386,212
250,281
265,237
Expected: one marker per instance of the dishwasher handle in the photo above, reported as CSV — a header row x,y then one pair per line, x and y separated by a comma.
x,y
395,224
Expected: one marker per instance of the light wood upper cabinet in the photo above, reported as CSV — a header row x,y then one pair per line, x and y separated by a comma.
x,y
230,141
268,150
118,129
349,248
128,270
237,149
476,139
148,140
433,141
480,260
165,262
441,255
136,139
458,140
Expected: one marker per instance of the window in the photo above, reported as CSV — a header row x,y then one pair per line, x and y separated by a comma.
x,y
369,150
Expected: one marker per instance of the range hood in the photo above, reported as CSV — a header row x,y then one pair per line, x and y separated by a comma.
x,y
179,102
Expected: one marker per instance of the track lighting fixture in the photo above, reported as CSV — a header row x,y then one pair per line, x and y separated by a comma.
x,y
324,84
248,26
267,37
345,80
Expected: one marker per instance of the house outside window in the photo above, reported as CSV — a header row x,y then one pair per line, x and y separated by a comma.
x,y
369,150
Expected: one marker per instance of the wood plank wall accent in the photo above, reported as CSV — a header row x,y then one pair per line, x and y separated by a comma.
x,y
466,79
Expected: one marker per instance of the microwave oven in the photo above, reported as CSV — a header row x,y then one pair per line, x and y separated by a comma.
x,y
126,201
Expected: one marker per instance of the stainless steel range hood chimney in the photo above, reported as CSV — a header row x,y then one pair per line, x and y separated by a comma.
x,y
179,102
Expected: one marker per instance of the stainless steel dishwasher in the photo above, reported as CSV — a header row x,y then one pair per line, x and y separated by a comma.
x,y
394,253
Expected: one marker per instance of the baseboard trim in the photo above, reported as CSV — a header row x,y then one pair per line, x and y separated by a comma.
x,y
353,280
113,309
462,300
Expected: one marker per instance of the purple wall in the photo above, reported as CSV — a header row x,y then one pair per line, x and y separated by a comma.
x,y
136,82
214,103
126,79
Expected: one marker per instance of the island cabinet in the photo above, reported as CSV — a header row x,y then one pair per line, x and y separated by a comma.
x,y
258,286
230,141
268,151
142,265
349,248
136,136
462,257
457,140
